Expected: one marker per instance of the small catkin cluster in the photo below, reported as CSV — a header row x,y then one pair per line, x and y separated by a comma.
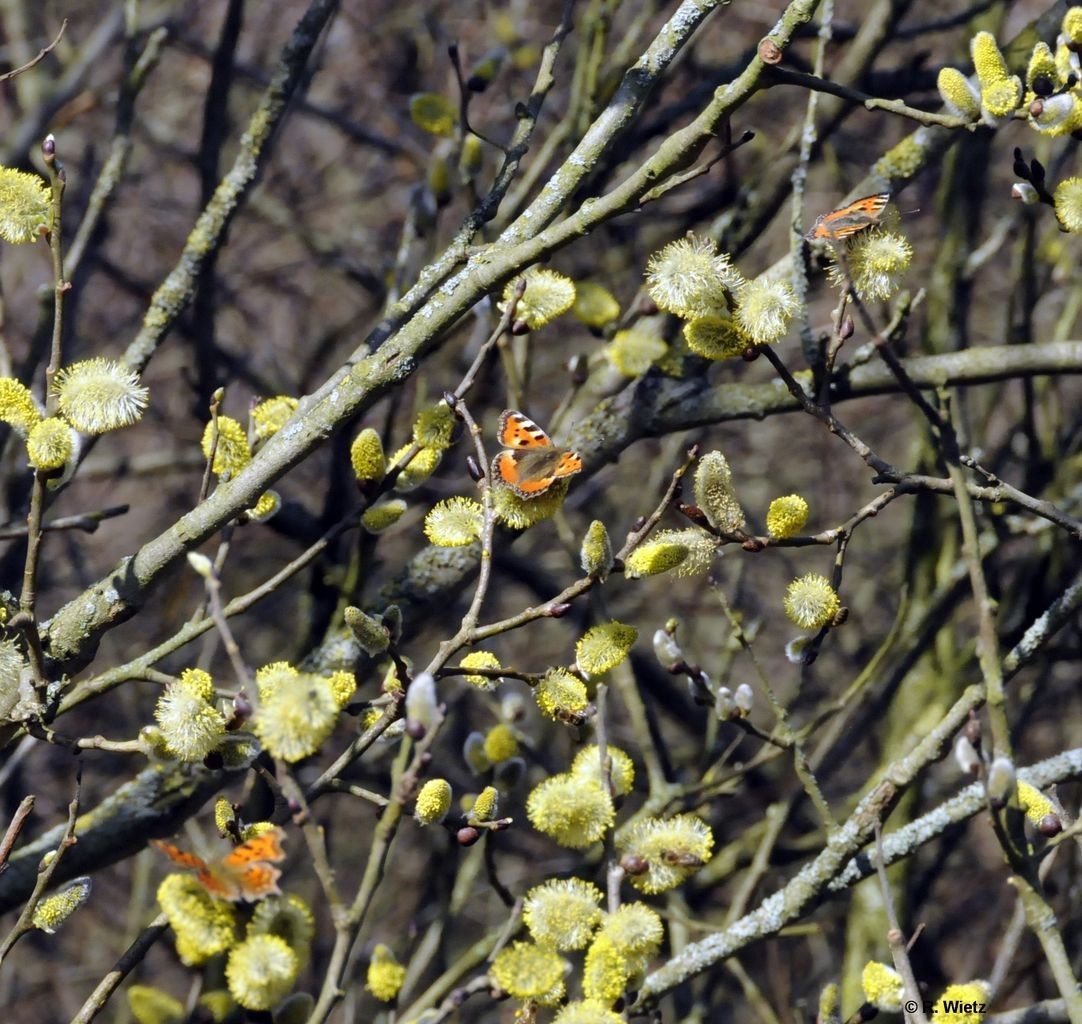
x,y
883,986
547,295
786,516
229,447
877,262
811,602
89,397
1051,94
715,494
263,958
385,974
603,647
566,915
687,552
725,314
54,910
191,724
25,206
666,851
298,710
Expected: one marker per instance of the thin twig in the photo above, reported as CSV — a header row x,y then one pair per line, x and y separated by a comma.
x,y
86,521
221,621
39,58
785,76
913,1007
46,869
26,620
11,835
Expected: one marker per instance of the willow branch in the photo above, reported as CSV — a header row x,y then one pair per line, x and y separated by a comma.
x,y
211,228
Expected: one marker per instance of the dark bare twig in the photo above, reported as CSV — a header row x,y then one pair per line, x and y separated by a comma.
x,y
727,149
11,834
86,521
46,870
464,94
787,76
39,58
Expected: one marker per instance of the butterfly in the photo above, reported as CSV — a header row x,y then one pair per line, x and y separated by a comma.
x,y
849,219
530,463
245,873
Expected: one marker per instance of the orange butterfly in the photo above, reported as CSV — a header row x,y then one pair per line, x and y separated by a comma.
x,y
245,873
530,463
849,219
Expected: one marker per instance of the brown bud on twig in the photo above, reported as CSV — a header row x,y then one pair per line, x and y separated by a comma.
x,y
520,327
750,354
467,835
242,707
646,306
48,148
769,51
753,544
841,617
694,513
415,730
558,611
474,470
1050,825
633,864
368,490
451,400
847,329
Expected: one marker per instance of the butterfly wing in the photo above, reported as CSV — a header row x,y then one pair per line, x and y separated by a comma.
x,y
179,856
871,206
570,463
531,473
849,219
508,468
256,881
267,846
248,869
519,431
245,873
217,883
